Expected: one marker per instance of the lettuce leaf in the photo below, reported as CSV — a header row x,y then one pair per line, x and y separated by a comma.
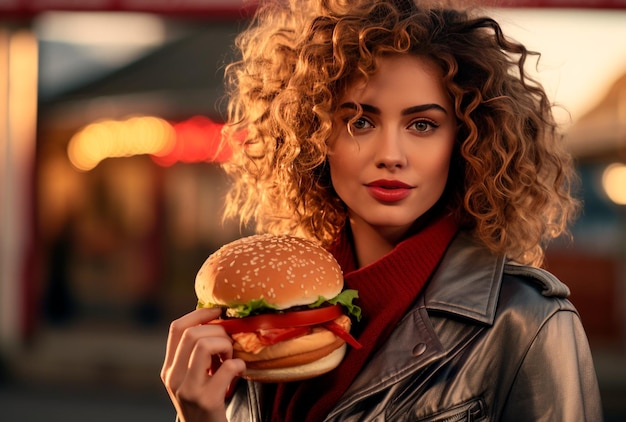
x,y
257,306
344,299
252,307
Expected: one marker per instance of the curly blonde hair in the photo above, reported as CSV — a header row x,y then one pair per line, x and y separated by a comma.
x,y
510,178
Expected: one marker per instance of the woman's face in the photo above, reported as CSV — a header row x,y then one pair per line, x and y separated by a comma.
x,y
394,165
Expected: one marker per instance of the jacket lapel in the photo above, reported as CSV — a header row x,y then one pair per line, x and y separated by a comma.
x,y
466,285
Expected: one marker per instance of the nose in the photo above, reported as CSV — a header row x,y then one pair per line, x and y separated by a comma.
x,y
390,153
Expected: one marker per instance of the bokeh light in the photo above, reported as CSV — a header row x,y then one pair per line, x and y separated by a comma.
x,y
614,182
111,138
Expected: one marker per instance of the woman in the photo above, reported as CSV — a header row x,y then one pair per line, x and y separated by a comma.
x,y
408,140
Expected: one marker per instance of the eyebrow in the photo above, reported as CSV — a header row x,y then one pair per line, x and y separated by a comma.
x,y
407,111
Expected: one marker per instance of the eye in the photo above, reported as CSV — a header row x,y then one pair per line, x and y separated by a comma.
x,y
423,126
360,124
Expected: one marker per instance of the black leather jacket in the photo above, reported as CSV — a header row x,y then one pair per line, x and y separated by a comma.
x,y
488,340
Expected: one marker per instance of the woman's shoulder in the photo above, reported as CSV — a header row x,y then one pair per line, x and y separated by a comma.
x,y
473,283
532,292
547,283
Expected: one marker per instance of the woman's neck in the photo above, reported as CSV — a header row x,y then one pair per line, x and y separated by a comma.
x,y
371,243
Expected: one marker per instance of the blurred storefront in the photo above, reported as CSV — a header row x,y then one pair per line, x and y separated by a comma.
x,y
595,268
142,191
110,183
111,189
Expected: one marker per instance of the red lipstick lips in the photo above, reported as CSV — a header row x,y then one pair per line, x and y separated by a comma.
x,y
388,190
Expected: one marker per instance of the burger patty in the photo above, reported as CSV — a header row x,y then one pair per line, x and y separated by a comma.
x,y
294,360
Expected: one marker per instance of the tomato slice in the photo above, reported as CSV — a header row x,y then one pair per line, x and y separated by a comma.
x,y
342,334
275,335
284,320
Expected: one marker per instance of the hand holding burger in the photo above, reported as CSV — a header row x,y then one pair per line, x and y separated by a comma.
x,y
283,305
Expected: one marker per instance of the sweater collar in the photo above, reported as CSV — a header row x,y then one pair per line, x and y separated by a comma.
x,y
466,282
397,277
405,260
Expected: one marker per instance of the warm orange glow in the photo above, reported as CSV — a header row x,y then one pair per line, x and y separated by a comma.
x,y
195,140
18,120
4,85
111,138
23,89
614,183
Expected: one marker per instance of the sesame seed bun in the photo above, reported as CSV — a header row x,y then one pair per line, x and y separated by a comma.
x,y
286,271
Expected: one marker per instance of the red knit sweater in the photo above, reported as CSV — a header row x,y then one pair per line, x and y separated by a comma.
x,y
387,288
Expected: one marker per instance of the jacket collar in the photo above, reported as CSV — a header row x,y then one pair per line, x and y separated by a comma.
x,y
467,282
467,286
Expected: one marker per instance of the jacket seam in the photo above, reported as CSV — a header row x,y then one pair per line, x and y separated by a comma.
x,y
525,354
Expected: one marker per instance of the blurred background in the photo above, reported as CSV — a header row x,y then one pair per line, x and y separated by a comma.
x,y
111,192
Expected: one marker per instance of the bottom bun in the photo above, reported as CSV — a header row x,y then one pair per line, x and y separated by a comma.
x,y
300,372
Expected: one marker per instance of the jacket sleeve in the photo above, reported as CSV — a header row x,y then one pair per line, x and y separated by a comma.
x,y
556,380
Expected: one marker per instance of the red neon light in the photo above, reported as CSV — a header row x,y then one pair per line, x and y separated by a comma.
x,y
198,139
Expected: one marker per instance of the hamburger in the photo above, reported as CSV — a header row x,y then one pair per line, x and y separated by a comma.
x,y
283,304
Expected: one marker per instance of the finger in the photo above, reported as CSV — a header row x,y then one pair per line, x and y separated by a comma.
x,y
226,374
200,387
202,360
178,327
197,346
216,361
222,373
206,394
